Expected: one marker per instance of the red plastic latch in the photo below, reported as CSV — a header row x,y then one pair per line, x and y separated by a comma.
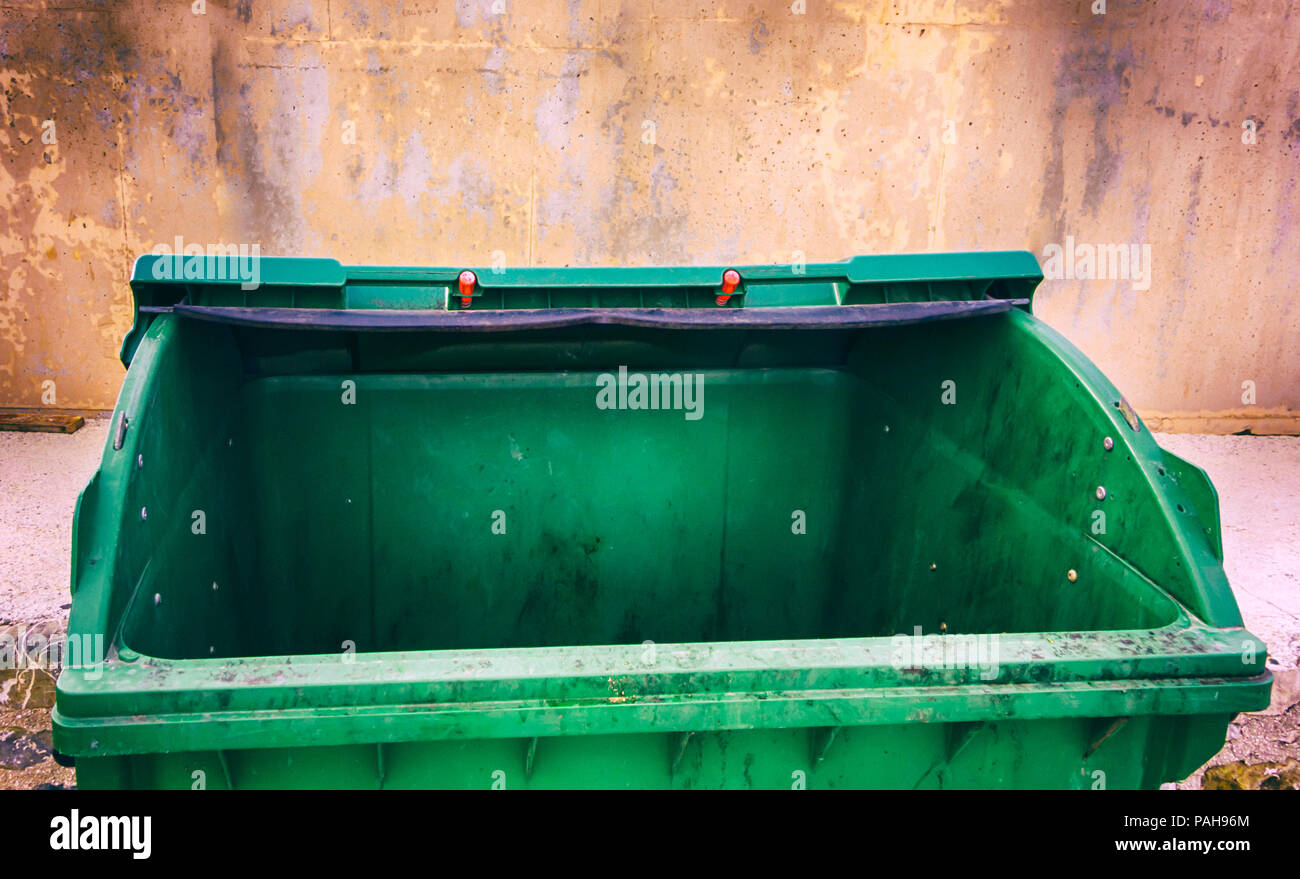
x,y
466,281
730,281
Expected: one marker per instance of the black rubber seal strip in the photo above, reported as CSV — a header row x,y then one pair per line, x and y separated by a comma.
x,y
805,317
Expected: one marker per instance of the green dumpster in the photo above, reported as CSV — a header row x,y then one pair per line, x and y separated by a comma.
x,y
855,524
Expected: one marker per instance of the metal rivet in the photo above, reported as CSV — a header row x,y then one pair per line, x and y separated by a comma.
x,y
1108,444
1072,575
1101,492
144,513
933,566
214,585
139,460
157,598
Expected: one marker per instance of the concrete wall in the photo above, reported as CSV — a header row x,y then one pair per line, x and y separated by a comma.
x,y
423,132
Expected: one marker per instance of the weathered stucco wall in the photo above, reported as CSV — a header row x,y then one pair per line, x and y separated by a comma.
x,y
621,132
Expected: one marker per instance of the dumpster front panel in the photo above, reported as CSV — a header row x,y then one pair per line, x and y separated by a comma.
x,y
852,528
972,755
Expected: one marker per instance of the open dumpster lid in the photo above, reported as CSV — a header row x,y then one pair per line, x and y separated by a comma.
x,y
863,291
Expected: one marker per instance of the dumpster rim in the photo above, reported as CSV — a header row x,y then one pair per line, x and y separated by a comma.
x,y
379,724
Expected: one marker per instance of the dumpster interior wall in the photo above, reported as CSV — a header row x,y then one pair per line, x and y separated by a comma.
x,y
625,133
921,514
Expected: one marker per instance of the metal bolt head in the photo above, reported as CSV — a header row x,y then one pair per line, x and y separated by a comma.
x,y
1101,492
1108,444
933,566
1072,575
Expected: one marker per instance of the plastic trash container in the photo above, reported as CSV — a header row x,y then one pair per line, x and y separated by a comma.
x,y
855,524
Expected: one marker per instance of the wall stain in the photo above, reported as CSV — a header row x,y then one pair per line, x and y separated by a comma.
x,y
527,136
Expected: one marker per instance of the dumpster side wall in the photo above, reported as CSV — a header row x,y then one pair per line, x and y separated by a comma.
x,y
159,544
722,132
1014,418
